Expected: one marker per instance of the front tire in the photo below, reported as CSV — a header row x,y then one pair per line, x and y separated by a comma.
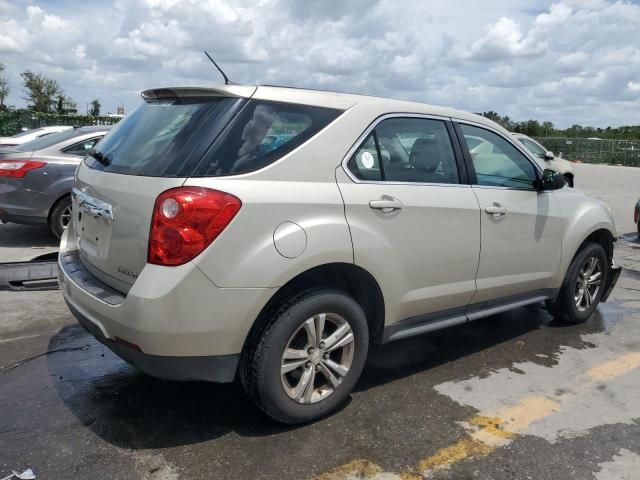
x,y
583,285
60,216
306,360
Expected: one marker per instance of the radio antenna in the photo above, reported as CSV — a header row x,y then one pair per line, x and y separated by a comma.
x,y
226,79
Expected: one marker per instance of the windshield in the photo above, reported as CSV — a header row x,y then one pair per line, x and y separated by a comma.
x,y
48,140
533,147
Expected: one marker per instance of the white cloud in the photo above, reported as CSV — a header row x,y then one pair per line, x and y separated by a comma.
x,y
504,40
571,61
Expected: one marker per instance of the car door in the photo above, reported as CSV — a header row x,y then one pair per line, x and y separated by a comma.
x,y
414,220
521,228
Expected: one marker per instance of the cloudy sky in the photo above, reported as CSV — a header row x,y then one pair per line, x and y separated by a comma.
x,y
569,61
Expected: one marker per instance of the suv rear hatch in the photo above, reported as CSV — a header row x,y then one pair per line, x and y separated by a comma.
x,y
151,150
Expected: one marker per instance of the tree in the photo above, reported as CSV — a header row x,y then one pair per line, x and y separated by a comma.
x,y
4,87
95,108
60,104
65,105
40,91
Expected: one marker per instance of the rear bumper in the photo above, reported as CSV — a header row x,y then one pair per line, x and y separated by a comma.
x,y
217,368
174,323
612,279
21,204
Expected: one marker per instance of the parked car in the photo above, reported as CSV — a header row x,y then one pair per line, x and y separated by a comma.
x,y
36,178
558,164
636,216
196,254
29,135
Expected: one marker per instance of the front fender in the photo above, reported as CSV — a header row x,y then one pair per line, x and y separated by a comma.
x,y
584,216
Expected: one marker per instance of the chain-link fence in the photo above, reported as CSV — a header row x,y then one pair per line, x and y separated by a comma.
x,y
620,152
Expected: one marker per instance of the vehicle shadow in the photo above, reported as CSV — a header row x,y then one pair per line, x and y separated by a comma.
x,y
131,410
27,236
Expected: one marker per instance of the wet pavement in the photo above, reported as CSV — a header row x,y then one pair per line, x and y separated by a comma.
x,y
513,396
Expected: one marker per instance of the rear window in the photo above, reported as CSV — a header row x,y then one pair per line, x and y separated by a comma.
x,y
47,140
158,138
207,137
27,132
260,134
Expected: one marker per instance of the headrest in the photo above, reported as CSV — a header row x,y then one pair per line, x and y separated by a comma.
x,y
425,155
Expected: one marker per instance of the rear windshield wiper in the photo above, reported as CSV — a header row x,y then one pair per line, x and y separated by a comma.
x,y
99,156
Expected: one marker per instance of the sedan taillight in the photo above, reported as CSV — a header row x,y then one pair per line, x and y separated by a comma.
x,y
185,222
18,168
636,214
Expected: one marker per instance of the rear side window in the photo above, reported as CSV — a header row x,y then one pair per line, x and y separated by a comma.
x,y
260,134
365,164
80,148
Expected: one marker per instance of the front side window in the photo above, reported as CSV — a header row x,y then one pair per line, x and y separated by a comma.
x,y
498,163
414,150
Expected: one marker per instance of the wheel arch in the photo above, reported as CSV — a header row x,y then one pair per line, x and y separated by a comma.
x,y
55,203
600,234
346,277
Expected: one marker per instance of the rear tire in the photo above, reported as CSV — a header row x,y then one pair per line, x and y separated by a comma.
x,y
288,350
569,179
583,285
60,216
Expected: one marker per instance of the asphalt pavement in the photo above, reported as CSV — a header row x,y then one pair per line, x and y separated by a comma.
x,y
513,396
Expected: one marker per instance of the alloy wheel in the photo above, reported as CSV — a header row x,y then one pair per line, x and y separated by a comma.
x,y
317,358
65,217
588,284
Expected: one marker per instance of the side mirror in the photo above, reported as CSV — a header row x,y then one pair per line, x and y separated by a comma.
x,y
551,180
548,155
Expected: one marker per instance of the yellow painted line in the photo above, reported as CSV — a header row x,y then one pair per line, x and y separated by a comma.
x,y
615,368
359,468
487,432
454,453
493,432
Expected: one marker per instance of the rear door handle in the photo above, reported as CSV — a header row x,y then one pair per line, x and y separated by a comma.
x,y
386,204
496,210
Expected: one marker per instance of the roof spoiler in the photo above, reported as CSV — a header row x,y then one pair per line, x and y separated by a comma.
x,y
239,91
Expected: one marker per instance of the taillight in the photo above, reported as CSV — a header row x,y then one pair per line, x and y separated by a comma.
x,y
18,168
636,214
185,222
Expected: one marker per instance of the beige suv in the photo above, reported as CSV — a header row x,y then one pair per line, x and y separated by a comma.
x,y
272,234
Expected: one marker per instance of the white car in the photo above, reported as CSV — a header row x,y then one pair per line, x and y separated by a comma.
x,y
28,135
558,164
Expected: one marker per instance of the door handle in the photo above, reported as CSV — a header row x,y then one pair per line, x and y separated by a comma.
x,y
496,210
386,204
